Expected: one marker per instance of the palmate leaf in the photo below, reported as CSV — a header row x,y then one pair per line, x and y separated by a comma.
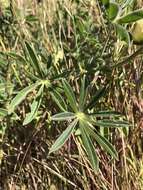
x,y
34,107
70,95
21,96
89,147
63,116
63,137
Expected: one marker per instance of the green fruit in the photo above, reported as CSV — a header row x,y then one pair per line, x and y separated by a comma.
x,y
137,33
4,3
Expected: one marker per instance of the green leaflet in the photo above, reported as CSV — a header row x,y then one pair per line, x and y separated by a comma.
x,y
21,96
109,123
89,147
131,17
63,137
34,59
105,114
83,93
122,33
112,10
102,141
70,95
63,116
34,107
59,100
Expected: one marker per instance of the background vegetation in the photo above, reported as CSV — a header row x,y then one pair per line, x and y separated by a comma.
x,y
71,89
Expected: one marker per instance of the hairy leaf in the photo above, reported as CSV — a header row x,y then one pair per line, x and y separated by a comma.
x,y
63,137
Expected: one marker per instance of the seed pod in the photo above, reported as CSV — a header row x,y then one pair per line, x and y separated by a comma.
x,y
137,33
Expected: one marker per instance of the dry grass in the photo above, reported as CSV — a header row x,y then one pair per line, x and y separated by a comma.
x,y
25,163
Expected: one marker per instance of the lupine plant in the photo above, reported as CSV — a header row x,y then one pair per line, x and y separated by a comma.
x,y
82,116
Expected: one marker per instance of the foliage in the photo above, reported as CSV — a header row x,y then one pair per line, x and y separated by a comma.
x,y
70,95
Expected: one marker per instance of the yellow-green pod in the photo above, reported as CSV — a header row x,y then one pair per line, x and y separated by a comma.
x,y
137,33
4,4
